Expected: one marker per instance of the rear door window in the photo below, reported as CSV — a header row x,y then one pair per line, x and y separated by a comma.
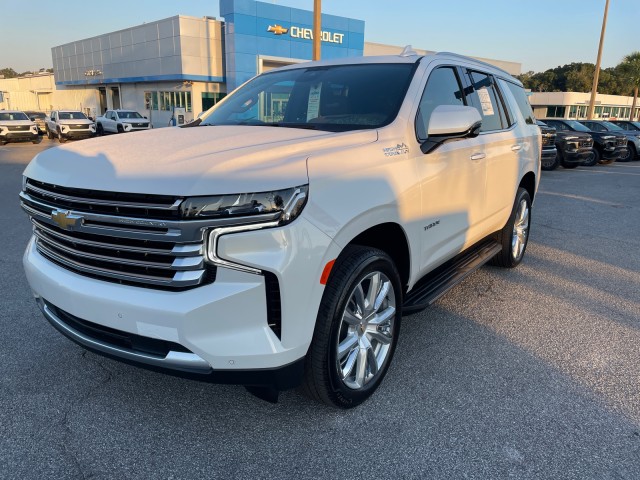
x,y
486,99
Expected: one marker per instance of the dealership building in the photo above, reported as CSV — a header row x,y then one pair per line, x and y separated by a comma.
x,y
186,62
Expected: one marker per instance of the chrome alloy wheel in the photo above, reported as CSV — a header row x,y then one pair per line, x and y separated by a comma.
x,y
520,230
366,331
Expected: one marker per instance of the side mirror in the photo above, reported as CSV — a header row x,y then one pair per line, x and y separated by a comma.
x,y
33,119
145,118
451,122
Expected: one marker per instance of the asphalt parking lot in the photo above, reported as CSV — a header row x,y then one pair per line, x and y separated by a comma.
x,y
527,373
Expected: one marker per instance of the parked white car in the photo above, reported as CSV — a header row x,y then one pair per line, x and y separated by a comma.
x,y
69,125
15,126
277,242
121,121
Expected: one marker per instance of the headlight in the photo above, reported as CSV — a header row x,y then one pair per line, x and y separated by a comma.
x,y
571,138
608,137
288,202
272,209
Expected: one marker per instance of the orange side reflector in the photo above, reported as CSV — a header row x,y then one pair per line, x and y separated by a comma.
x,y
326,272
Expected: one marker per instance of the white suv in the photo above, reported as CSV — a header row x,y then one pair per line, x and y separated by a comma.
x,y
278,241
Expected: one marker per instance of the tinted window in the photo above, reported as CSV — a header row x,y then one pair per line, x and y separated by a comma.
x,y
577,126
443,88
335,98
596,127
557,125
72,116
487,102
523,102
13,116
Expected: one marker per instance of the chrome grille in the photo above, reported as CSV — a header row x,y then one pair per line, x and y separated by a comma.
x,y
19,128
548,139
118,248
79,127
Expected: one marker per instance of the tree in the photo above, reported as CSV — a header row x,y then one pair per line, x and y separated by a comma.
x,y
630,70
8,73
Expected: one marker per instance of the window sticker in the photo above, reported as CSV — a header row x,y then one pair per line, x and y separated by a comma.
x,y
485,101
313,107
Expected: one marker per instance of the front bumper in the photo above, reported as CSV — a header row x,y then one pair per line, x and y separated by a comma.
x,y
549,153
78,134
576,156
28,136
223,327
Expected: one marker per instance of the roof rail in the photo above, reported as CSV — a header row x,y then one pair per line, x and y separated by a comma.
x,y
466,57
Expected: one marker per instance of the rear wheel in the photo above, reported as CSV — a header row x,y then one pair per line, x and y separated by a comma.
x,y
515,234
356,330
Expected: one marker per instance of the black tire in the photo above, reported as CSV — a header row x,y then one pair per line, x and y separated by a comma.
x,y
630,155
517,226
323,369
593,159
99,130
550,164
61,138
37,140
49,135
2,142
120,129
564,163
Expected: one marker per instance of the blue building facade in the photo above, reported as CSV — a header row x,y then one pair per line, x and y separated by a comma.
x,y
256,32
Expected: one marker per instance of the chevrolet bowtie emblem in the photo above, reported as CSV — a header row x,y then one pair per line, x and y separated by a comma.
x,y
65,219
277,29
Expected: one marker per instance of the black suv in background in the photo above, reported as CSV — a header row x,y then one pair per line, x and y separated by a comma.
x,y
606,147
633,138
549,158
574,148
627,125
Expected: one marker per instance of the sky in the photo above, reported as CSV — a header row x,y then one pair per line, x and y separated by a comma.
x,y
539,34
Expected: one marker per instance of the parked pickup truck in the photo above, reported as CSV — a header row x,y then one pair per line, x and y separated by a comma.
x,y
120,121
234,251
69,124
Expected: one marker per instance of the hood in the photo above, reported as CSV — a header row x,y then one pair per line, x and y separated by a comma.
x,y
76,121
204,160
16,123
564,134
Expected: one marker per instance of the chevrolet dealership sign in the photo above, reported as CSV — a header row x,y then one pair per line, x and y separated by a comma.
x,y
306,33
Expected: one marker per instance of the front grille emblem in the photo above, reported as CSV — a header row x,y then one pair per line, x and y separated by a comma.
x,y
65,219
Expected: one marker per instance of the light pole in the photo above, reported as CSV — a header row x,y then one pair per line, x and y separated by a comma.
x,y
594,88
317,28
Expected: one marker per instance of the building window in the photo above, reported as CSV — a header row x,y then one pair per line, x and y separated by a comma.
x,y
556,111
582,111
573,111
167,100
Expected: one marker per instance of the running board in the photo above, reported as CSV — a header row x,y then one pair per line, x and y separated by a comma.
x,y
435,284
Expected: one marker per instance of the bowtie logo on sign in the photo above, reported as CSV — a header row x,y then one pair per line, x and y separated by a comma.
x,y
277,29
305,33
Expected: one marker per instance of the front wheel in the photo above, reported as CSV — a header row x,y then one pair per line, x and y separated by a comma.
x,y
628,155
99,129
515,234
550,163
61,138
593,158
356,329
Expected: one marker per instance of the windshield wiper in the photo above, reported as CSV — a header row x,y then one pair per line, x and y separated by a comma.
x,y
306,126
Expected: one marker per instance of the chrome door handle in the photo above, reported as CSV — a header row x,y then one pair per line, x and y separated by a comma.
x,y
478,156
516,148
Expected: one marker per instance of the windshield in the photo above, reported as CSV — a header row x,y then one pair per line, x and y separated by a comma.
x,y
334,98
36,114
71,116
13,116
577,126
129,115
611,126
